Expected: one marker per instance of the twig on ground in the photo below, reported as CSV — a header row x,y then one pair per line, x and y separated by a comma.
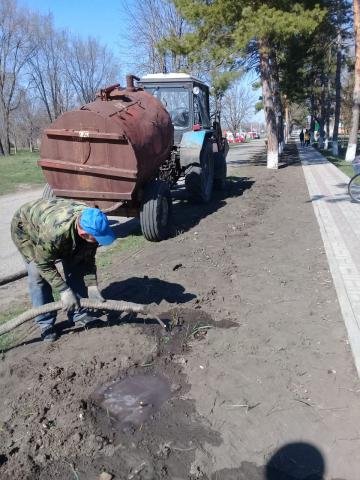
x,y
303,401
244,405
158,320
73,470
138,470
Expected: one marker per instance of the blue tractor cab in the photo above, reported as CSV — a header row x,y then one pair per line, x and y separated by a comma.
x,y
199,151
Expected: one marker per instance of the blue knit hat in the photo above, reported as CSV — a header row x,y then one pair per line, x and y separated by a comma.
x,y
96,223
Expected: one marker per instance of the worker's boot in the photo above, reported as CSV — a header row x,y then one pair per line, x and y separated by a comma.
x,y
49,334
84,319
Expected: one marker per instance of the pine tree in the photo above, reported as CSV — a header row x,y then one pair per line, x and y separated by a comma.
x,y
227,30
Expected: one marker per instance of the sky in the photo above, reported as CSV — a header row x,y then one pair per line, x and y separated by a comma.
x,y
101,19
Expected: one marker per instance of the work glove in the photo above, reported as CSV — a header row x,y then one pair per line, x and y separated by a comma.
x,y
94,294
69,300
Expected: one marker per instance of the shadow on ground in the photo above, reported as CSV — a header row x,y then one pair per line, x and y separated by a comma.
x,y
186,214
123,229
341,197
293,461
147,290
289,157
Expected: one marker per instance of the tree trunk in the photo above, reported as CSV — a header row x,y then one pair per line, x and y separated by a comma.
x,y
270,118
277,99
335,142
312,119
287,121
322,118
351,149
6,133
2,153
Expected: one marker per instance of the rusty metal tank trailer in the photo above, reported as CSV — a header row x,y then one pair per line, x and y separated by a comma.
x,y
108,154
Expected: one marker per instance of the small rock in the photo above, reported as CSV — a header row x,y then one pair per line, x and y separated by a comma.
x,y
177,266
105,476
40,459
76,437
176,387
164,450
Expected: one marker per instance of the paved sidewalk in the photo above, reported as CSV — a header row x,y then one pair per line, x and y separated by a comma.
x,y
339,222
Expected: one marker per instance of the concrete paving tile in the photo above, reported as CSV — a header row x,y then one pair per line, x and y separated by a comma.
x,y
339,222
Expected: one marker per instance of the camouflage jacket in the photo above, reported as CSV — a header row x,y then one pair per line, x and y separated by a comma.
x,y
44,231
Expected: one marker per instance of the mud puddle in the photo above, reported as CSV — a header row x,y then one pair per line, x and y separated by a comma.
x,y
131,401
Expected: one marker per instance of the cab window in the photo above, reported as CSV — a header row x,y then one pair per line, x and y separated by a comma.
x,y
176,102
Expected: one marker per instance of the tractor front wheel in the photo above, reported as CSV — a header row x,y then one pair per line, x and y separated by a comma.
x,y
156,210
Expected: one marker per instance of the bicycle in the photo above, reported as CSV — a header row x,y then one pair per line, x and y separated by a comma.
x,y
354,183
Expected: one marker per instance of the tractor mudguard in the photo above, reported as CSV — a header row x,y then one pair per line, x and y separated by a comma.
x,y
191,145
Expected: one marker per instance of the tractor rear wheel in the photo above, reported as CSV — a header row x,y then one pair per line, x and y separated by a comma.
x,y
219,171
199,178
156,210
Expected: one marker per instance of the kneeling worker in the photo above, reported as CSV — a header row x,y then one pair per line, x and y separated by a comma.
x,y
45,231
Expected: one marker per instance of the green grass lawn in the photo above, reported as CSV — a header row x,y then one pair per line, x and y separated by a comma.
x,y
133,242
20,169
339,162
8,339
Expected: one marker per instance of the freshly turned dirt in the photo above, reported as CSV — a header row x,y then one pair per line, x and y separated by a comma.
x,y
255,357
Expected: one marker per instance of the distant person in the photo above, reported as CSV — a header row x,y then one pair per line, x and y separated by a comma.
x,y
301,136
307,138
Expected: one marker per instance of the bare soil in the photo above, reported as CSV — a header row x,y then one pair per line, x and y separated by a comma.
x,y
262,382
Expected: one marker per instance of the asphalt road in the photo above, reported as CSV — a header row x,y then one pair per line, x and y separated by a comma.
x,y
239,153
10,260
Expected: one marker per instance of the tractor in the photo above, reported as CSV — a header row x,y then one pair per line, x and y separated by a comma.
x,y
199,150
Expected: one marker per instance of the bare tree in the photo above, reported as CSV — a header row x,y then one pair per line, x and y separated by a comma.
x,y
150,21
89,67
237,105
46,68
16,48
28,121
351,150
